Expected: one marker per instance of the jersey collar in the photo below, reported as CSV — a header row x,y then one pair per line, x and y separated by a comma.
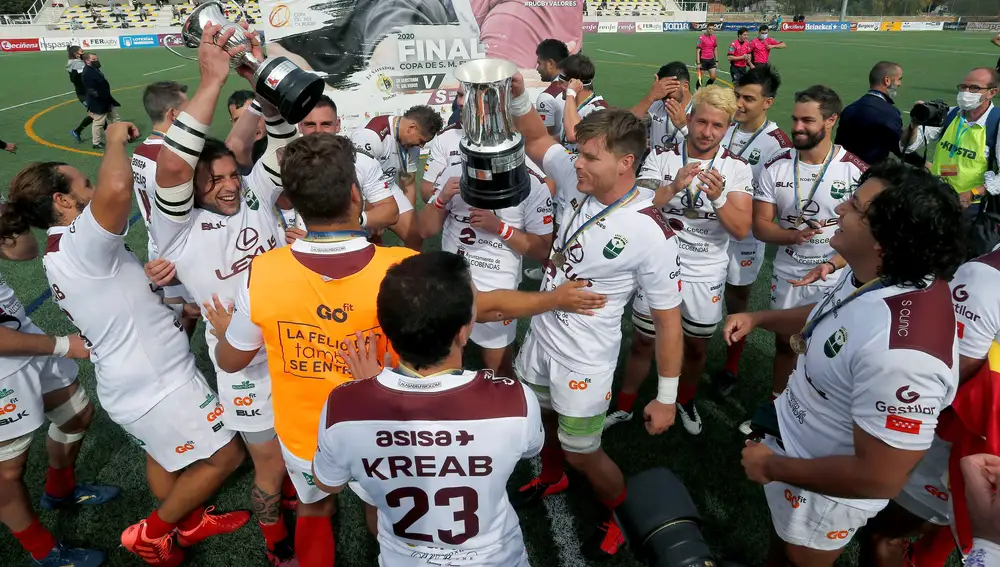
x,y
440,383
329,248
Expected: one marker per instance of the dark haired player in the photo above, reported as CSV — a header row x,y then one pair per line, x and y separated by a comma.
x,y
441,497
550,102
580,99
878,362
667,106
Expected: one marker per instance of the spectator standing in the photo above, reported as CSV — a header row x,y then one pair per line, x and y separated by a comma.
x,y
871,127
75,67
102,106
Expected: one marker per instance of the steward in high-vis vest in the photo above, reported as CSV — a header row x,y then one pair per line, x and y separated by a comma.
x,y
304,302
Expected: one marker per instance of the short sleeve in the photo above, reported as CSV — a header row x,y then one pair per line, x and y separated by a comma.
x,y
741,182
898,395
651,167
329,465
973,291
558,164
262,184
368,143
659,274
534,431
545,106
243,334
538,209
91,248
437,161
764,189
732,48
375,184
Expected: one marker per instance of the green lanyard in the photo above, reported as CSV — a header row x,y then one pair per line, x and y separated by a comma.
x,y
559,255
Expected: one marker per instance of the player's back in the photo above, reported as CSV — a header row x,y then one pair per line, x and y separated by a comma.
x,y
144,183
434,455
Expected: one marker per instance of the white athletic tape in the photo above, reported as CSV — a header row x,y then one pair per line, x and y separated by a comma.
x,y
582,444
520,105
58,436
62,347
186,138
16,448
176,201
666,389
70,408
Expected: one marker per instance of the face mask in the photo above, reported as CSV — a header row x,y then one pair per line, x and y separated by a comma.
x,y
96,64
763,36
969,101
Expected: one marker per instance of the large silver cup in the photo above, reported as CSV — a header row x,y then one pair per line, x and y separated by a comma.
x,y
282,83
494,174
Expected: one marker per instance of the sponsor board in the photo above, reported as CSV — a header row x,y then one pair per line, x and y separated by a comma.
x,y
15,45
793,26
921,26
983,26
955,26
626,27
58,43
589,27
134,41
734,26
171,39
88,43
649,27
828,26
869,26
891,26
607,27
676,26
854,26
698,26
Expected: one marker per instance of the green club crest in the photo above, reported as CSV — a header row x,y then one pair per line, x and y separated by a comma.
x,y
754,157
835,342
615,246
838,190
251,199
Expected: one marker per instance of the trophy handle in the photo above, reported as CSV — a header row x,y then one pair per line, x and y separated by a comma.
x,y
171,49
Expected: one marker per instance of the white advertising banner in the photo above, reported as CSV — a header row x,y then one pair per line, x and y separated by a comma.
x,y
607,27
869,26
59,43
106,42
647,27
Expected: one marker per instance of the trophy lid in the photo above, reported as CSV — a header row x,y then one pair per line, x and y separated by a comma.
x,y
488,70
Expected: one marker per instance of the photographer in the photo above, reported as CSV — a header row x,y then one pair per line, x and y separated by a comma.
x,y
961,145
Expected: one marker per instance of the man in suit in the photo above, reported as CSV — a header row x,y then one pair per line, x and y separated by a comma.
x,y
871,127
102,106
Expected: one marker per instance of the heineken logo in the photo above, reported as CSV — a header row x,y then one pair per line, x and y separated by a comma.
x,y
6,392
754,157
615,246
251,199
835,342
246,385
838,190
208,400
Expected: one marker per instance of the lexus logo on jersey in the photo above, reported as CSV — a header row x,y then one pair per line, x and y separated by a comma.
x,y
810,208
575,253
247,239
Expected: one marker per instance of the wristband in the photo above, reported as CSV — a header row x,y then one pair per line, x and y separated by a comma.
x,y
364,219
255,108
666,389
437,202
718,203
506,231
520,105
832,265
62,347
186,138
570,93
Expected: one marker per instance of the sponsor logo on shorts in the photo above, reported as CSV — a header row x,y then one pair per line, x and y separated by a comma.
x,y
187,446
208,400
794,500
244,401
746,263
215,413
937,493
246,385
840,534
579,384
309,479
6,393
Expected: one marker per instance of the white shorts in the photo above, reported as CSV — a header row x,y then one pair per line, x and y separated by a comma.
x,y
745,259
786,296
926,494
21,407
300,472
246,397
402,202
187,426
570,393
701,310
495,334
808,519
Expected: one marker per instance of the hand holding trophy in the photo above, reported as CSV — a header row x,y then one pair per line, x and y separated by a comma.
x,y
282,83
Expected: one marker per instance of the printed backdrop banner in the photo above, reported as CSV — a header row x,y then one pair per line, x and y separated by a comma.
x,y
983,26
869,26
382,57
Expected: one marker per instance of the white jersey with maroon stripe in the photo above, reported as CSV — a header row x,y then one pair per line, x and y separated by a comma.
x,y
977,305
138,347
776,185
144,186
13,316
494,265
662,132
379,139
593,103
551,104
885,362
434,456
769,143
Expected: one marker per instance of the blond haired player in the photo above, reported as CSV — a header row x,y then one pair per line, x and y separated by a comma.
x,y
706,192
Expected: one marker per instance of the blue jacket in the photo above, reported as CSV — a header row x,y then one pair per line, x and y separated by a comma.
x,y
871,127
99,99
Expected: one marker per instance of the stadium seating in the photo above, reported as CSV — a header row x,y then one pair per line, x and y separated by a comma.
x,y
76,18
625,8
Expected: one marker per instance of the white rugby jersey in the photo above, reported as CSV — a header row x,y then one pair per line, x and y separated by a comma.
x,y
139,350
445,152
210,251
379,139
662,131
494,265
775,185
756,150
584,108
976,296
550,105
144,186
13,316
703,241
885,362
434,455
630,248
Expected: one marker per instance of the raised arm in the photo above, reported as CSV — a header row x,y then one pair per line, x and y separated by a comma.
x,y
537,140
112,201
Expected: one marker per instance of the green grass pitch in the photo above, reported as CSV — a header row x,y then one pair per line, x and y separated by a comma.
x,y
734,511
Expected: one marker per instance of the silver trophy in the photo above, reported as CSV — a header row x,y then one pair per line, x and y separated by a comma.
x,y
282,83
494,174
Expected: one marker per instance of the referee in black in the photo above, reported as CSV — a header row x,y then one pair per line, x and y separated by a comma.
x,y
75,67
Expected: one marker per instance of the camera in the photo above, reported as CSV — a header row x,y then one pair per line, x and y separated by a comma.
x,y
930,113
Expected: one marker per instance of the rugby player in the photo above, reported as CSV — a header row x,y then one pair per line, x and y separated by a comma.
x,y
550,54
667,106
211,221
707,192
580,100
611,234
146,375
863,402
395,142
453,507
757,140
493,242
794,202
38,381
